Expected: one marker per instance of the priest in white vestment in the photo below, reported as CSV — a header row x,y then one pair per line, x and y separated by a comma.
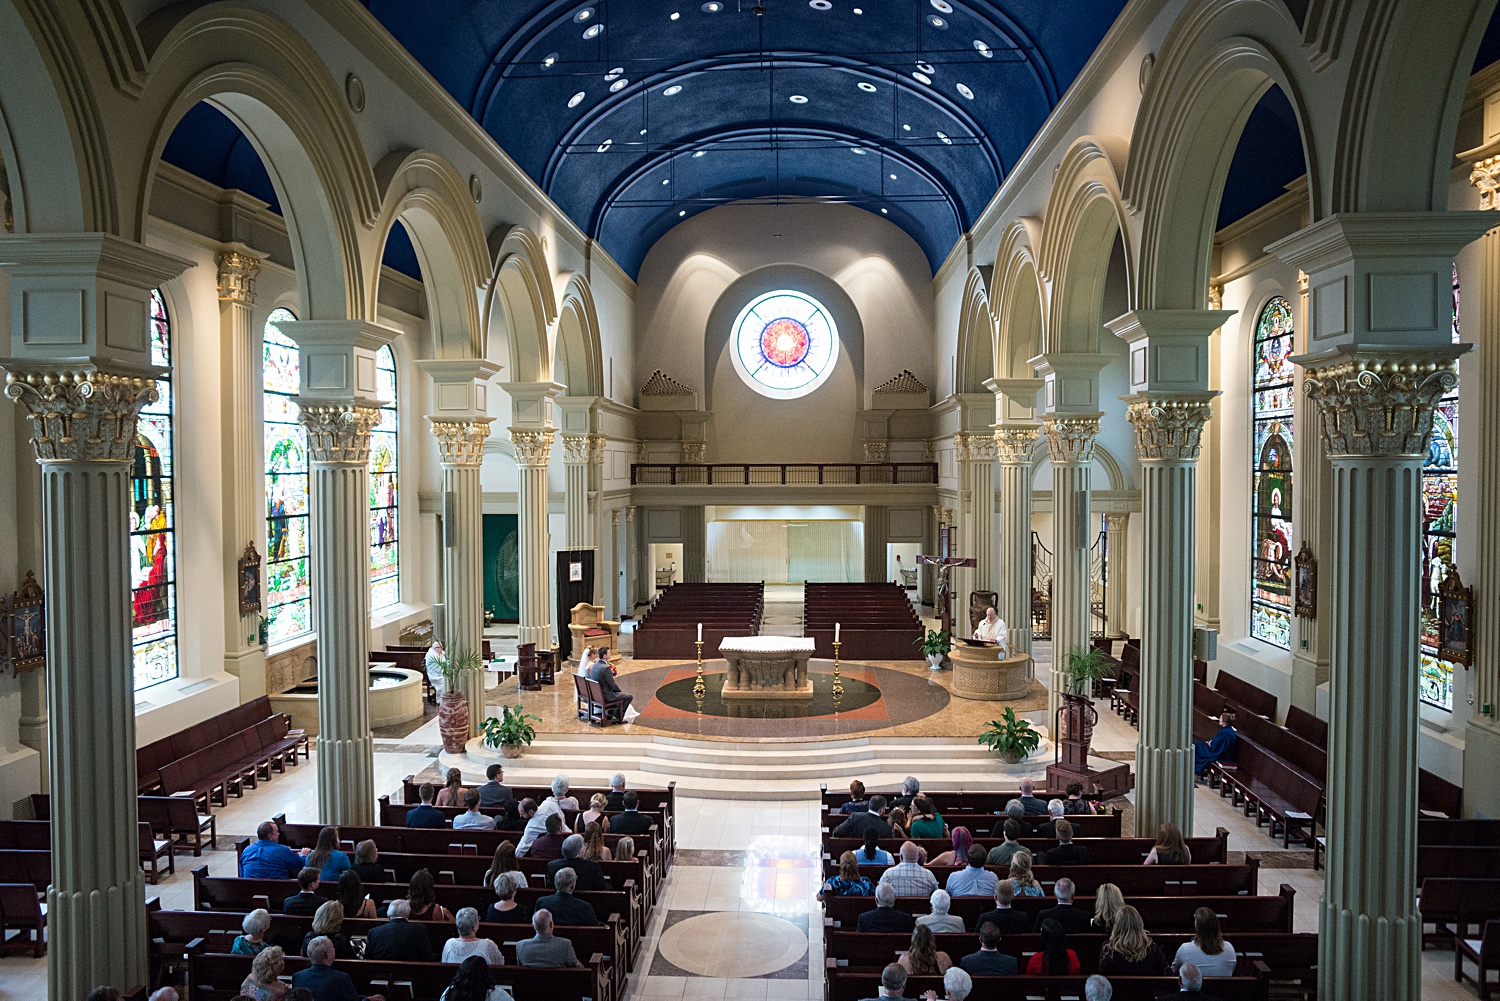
x,y
991,628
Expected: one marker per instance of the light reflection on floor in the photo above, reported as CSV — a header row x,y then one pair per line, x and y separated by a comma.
x,y
781,875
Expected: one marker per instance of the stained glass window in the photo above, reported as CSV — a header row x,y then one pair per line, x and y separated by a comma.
x,y
153,522
385,561
784,344
1272,391
1439,533
288,487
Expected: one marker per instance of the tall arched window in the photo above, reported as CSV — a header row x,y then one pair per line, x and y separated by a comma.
x,y
385,560
1439,534
288,550
1272,389
153,522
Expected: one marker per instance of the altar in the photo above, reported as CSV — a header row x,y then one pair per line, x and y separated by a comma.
x,y
766,667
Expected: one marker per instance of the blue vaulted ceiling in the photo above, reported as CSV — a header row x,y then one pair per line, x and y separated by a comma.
x,y
635,114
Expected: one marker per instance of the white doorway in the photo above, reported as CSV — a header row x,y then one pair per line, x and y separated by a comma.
x,y
785,544
901,564
666,565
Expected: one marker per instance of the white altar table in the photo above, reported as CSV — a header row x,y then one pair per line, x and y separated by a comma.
x,y
766,667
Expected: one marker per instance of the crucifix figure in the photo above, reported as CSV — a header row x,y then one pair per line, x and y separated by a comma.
x,y
945,561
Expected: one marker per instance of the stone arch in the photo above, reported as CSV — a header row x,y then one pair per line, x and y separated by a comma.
x,y
1113,472
271,83
1019,299
426,194
578,361
976,335
1084,214
520,304
1217,61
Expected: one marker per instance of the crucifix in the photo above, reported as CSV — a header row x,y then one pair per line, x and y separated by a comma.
x,y
945,561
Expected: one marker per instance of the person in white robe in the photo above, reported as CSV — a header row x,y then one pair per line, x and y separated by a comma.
x,y
991,628
433,662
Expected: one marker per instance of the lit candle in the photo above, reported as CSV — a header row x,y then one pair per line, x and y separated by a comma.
x,y
700,632
836,626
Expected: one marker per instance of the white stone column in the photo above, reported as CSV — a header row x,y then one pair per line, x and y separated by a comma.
x,y
1167,430
616,571
83,431
976,477
1014,445
1070,442
242,451
461,449
533,453
877,519
1117,606
32,725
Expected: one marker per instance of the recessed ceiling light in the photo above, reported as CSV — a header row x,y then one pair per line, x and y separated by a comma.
x,y
583,15
593,30
885,211
643,131
857,150
549,60
866,86
936,22
618,85
616,72
893,177
858,10
921,77
605,145
712,7
905,127
944,137
576,99
797,99
943,5
983,49
820,4
681,213
672,91
925,66
965,91
675,15
699,153
666,180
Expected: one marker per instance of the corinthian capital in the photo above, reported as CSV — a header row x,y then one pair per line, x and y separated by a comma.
x,y
1486,177
461,443
1169,426
575,449
974,447
533,446
1380,402
694,451
81,416
1071,437
1014,442
339,432
876,451
237,274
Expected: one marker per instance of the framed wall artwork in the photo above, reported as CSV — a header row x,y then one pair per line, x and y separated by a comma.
x,y
249,580
23,617
1306,575
1455,619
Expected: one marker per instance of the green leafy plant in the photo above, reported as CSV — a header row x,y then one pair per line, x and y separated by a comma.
x,y
1011,736
1083,668
514,726
936,643
456,665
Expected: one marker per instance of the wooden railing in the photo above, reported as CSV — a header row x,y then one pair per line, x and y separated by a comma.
x,y
768,474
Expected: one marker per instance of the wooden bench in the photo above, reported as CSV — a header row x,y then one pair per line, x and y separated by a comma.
x,y
1254,698
1164,880
177,817
1307,726
946,801
669,627
26,835
1102,851
1458,862
1454,905
844,985
1278,793
877,619
981,824
1445,831
151,757
1437,796
226,766
22,924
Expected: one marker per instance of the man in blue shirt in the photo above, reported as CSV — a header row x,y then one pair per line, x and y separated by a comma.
x,y
326,983
266,859
975,880
426,815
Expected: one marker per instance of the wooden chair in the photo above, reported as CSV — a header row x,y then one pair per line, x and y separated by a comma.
x,y
20,912
1484,953
590,628
177,817
601,712
546,661
152,850
528,668
581,688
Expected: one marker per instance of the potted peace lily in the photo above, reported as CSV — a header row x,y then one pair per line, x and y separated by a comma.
x,y
454,712
1012,736
511,731
935,646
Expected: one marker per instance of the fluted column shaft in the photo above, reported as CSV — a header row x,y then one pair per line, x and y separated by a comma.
x,y
694,545
84,427
338,438
877,520
576,499
461,448
1070,441
1168,430
1118,560
533,452
976,456
1013,543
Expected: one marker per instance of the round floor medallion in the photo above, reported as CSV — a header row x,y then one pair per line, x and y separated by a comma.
x,y
732,944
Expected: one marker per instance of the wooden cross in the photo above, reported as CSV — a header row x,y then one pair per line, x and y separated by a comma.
x,y
945,561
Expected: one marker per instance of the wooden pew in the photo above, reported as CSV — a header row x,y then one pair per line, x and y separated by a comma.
x,y
1278,793
1448,903
1458,861
946,801
1307,726
669,627
21,914
846,986
1445,831
26,835
981,824
1437,795
878,622
1169,880
1256,699
1102,851
228,765
151,757
177,817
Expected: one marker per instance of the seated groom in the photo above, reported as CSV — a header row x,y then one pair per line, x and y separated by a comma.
x,y
605,676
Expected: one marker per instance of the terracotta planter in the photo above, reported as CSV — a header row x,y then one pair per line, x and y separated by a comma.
x,y
453,722
512,750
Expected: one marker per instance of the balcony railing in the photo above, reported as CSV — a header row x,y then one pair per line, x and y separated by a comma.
x,y
784,474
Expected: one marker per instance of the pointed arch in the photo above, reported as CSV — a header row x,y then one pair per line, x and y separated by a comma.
x,y
578,361
976,334
1018,299
1084,214
520,304
424,192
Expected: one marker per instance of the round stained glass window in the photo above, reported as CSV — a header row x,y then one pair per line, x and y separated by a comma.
x,y
785,344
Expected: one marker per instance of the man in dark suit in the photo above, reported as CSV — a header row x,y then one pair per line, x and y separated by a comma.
x,y
885,917
989,961
567,909
494,792
892,983
590,874
322,980
1034,807
605,675
426,815
629,822
398,939
615,801
1192,986
1066,852
857,825
1006,920
1074,920
1048,829
306,901
910,787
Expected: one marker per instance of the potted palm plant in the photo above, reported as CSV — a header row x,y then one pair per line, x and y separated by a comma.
x,y
935,646
1014,738
1084,667
511,731
1075,727
453,708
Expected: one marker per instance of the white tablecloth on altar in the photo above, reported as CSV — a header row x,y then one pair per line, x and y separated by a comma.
x,y
766,644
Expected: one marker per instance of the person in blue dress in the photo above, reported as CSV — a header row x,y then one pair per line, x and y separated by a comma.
x,y
1221,748
326,857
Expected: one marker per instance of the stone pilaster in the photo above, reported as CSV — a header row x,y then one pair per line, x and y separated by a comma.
x,y
576,448
1117,560
976,475
877,519
1014,444
694,452
533,453
241,433
1167,432
694,545
1070,442
338,444
461,450
83,432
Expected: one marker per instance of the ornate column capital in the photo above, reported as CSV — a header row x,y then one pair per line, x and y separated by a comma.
x,y
694,451
1071,437
1117,520
533,446
974,447
1216,296
1486,177
339,432
237,274
575,449
1169,426
877,451
81,416
1379,402
614,517
461,442
1014,442
596,448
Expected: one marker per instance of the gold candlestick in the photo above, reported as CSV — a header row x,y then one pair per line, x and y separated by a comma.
x,y
838,685
699,688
